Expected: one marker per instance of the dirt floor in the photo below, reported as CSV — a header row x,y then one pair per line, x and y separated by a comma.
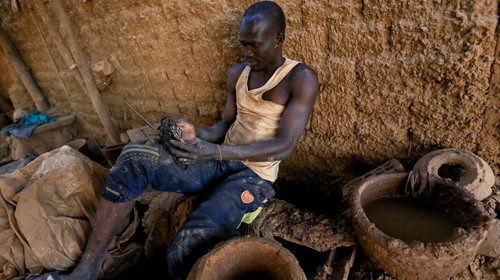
x,y
482,268
310,252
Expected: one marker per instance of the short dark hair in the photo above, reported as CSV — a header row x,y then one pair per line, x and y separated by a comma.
x,y
271,11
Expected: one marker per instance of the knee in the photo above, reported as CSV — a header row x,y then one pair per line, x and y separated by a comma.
x,y
138,150
128,178
136,158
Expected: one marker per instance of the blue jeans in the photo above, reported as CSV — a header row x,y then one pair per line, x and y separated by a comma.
x,y
237,195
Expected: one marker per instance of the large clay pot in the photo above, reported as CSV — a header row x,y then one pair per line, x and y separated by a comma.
x,y
248,258
416,260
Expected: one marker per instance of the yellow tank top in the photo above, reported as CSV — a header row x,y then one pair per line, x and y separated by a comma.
x,y
258,119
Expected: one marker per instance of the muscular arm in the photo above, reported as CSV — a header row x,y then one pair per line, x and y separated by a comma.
x,y
304,89
217,132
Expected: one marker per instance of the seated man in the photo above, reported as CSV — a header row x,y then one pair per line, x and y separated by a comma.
x,y
269,101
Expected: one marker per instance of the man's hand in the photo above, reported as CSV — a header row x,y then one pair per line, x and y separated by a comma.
x,y
195,151
188,130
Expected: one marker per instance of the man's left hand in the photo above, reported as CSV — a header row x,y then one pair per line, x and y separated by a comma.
x,y
195,151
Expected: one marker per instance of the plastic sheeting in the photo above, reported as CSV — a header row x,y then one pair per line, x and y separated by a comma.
x,y
24,126
46,209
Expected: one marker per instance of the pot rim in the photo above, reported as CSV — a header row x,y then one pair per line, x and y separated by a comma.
x,y
459,238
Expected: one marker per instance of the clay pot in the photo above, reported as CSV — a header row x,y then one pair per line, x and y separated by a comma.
x,y
472,172
248,258
416,260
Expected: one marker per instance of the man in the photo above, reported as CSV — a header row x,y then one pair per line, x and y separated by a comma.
x,y
269,101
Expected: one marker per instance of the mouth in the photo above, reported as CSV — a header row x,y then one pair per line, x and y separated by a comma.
x,y
251,61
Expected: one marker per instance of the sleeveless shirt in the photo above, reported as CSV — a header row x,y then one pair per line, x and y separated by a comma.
x,y
258,119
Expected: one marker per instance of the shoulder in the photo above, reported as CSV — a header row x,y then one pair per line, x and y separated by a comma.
x,y
303,73
304,82
233,75
235,70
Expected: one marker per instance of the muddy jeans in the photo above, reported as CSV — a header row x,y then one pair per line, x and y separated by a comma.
x,y
237,194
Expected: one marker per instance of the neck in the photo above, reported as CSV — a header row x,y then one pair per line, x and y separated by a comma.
x,y
275,63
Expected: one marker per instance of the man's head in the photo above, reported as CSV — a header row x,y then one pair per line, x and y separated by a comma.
x,y
262,32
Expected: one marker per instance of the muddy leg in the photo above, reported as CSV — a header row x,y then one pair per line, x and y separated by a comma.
x,y
237,200
109,217
139,165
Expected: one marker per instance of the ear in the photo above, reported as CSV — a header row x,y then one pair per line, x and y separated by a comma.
x,y
280,38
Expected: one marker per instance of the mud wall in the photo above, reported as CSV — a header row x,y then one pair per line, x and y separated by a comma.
x,y
397,79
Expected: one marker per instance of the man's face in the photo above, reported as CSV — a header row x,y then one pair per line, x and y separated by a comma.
x,y
258,41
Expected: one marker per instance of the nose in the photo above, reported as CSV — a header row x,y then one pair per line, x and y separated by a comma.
x,y
247,51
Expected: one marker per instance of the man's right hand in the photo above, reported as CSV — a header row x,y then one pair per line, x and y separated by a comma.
x,y
188,130
197,150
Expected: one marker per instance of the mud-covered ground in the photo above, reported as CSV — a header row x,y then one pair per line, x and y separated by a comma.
x,y
301,224
482,268
310,222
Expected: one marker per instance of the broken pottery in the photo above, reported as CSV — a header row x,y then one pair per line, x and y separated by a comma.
x,y
454,167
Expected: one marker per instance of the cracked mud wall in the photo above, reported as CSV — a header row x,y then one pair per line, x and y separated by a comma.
x,y
396,79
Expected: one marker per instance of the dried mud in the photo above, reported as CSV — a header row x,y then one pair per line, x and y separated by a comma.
x,y
481,268
282,220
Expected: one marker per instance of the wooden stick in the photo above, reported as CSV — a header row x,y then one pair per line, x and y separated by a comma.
x,y
342,264
327,267
22,71
88,79
56,70
60,122
58,41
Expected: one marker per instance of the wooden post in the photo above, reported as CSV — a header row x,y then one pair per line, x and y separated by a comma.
x,y
35,21
88,79
56,38
23,72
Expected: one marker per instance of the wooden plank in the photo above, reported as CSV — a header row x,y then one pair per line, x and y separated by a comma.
x,y
52,29
326,270
142,133
60,122
23,72
342,263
